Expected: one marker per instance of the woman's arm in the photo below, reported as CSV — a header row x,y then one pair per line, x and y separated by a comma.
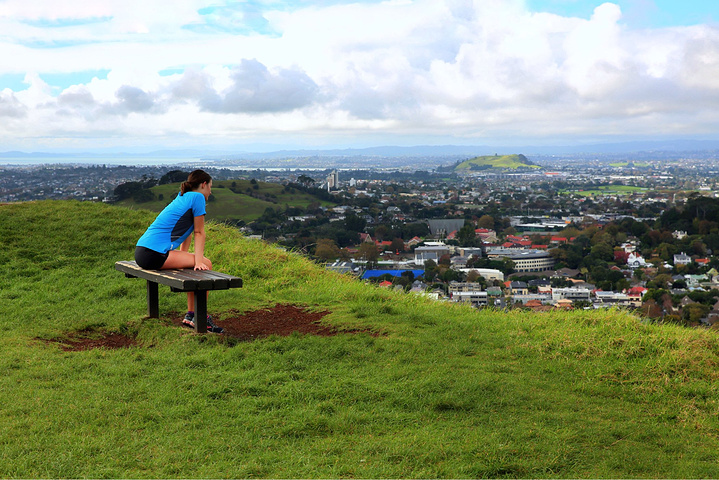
x,y
185,247
200,243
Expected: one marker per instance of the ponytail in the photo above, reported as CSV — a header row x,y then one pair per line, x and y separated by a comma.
x,y
194,180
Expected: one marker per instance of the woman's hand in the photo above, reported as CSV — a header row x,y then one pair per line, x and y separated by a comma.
x,y
201,265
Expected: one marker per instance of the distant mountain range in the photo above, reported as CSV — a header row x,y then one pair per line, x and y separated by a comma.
x,y
393,151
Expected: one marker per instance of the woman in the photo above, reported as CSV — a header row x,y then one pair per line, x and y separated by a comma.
x,y
157,248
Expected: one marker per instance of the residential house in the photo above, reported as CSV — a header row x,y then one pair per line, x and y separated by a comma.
x,y
682,259
459,261
566,273
518,288
366,237
635,295
694,281
486,235
413,241
543,285
635,260
565,304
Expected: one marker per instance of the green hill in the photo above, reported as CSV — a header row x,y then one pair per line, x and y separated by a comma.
x,y
512,162
441,391
235,199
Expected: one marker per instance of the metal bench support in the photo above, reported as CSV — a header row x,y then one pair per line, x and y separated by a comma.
x,y
181,280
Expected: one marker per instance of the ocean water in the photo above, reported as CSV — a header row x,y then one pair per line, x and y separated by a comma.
x,y
109,161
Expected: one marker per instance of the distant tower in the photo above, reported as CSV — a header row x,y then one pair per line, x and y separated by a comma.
x,y
333,180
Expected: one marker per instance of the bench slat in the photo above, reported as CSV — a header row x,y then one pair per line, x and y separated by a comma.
x,y
182,280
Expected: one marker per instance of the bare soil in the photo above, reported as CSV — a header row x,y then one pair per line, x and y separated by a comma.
x,y
91,338
282,320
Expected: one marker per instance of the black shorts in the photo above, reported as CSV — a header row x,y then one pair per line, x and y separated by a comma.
x,y
150,259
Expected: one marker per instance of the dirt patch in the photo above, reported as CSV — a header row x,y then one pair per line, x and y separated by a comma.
x,y
281,320
91,338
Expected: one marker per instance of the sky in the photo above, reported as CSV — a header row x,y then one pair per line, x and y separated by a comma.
x,y
269,74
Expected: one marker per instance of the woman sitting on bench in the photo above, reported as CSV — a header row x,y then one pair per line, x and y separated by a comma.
x,y
157,248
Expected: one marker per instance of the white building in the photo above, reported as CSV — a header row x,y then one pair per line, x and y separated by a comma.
x,y
682,259
489,274
636,261
612,298
571,293
429,252
524,298
525,260
475,298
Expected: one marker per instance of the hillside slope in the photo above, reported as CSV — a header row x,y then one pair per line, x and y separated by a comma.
x,y
511,162
441,391
234,199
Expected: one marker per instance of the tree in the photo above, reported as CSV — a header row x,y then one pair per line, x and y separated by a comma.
x,y
486,221
692,313
397,245
445,260
326,249
368,252
380,232
602,251
466,235
144,195
174,176
305,180
651,309
354,223
127,190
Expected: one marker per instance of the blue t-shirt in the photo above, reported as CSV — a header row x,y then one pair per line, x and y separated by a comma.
x,y
174,224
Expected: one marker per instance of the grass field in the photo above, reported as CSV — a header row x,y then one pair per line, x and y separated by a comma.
x,y
228,205
608,190
443,391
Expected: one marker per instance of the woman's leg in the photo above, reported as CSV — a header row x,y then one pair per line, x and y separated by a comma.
x,y
180,259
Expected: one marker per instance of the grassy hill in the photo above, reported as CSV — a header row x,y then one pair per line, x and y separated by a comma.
x,y
441,391
512,162
234,199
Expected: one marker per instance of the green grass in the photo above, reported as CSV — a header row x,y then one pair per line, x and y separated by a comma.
x,y
497,161
228,205
609,190
626,164
444,392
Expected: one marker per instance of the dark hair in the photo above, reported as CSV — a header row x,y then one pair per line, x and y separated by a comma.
x,y
194,180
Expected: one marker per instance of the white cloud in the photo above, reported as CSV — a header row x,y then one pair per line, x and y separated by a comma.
x,y
482,68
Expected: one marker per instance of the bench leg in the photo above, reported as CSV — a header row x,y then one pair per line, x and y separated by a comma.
x,y
153,300
201,311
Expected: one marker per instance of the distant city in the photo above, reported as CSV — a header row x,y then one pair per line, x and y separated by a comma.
x,y
638,230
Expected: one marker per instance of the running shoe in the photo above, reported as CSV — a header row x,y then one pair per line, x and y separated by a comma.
x,y
189,321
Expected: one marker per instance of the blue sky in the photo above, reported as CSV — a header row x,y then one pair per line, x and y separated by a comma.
x,y
236,74
639,13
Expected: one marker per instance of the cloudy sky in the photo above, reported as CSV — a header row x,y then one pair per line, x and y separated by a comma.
x,y
143,74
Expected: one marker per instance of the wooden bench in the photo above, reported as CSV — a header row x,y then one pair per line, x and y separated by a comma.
x,y
181,280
